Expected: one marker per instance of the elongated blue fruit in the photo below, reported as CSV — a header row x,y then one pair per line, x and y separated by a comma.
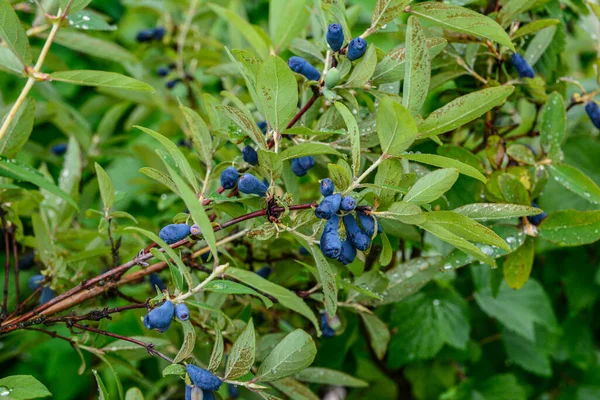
x,y
300,166
335,36
303,67
593,111
182,312
325,328
368,224
329,206
250,184
356,48
250,155
35,281
160,318
229,178
348,253
327,188
47,295
523,68
264,272
202,378
359,239
173,233
330,242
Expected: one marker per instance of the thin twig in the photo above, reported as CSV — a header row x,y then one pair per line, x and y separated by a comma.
x,y
16,269
6,265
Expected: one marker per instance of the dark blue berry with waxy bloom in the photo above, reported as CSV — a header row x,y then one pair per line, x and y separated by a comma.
x,y
593,111
356,48
327,187
250,155
146,35
325,328
163,71
300,166
27,261
195,393
35,281
348,203
156,281
233,391
262,125
368,224
202,378
47,295
330,242
171,84
264,272
335,36
160,318
59,149
523,68
229,178
348,253
250,184
359,239
158,33
536,219
303,67
173,233
329,206
182,312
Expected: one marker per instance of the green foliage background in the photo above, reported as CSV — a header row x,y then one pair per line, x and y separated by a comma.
x,y
418,316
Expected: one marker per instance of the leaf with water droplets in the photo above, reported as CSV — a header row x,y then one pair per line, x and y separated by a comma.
x,y
328,281
445,162
493,211
553,126
294,353
22,387
386,11
408,278
517,265
571,227
431,186
418,68
576,181
242,353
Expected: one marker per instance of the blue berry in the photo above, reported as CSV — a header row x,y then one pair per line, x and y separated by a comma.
x,y
330,242
59,149
160,318
356,48
536,219
250,155
368,224
264,272
348,203
146,35
163,71
359,239
250,184
297,168
156,281
47,295
348,253
327,187
35,281
233,391
202,378
27,261
262,125
303,67
329,206
593,111
173,233
335,37
158,33
171,84
325,328
205,257
229,178
303,251
182,312
523,68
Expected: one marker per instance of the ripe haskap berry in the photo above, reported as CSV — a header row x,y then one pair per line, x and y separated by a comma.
x,y
146,35
26,261
593,111
368,224
523,68
327,187
301,165
35,281
335,37
160,318
229,178
250,184
331,245
264,272
348,253
329,206
163,71
359,239
250,155
332,78
325,328
536,219
303,67
181,312
356,48
262,125
158,33
233,391
156,281
202,378
59,149
348,203
195,393
47,295
171,84
173,233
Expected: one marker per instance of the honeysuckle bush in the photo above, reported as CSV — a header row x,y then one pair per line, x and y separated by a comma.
x,y
300,199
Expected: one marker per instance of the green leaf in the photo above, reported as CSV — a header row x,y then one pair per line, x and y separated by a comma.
x,y
134,394
463,110
404,212
513,8
94,46
417,72
242,354
553,126
76,5
533,27
161,177
9,62
87,20
444,162
189,340
24,387
386,11
100,78
294,353
308,149
13,34
354,134
364,69
180,160
282,28
19,129
229,287
462,20
571,227
340,174
517,265
21,172
493,211
379,334
396,128
409,277
540,44
431,186
512,189
217,353
271,164
531,355
294,389
201,136
102,391
278,92
107,191
246,124
326,376
576,181
285,297
327,276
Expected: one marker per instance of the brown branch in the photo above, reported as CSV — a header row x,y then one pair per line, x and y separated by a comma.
x,y
303,111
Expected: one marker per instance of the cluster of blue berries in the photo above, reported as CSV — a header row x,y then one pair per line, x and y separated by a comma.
x,y
150,35
593,111
247,183
160,318
204,383
357,238
301,165
522,66
35,282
